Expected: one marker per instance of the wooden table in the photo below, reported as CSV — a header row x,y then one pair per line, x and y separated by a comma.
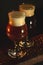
x,y
35,54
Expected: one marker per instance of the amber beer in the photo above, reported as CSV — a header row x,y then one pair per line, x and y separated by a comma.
x,y
17,32
16,28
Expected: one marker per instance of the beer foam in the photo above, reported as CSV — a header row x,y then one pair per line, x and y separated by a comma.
x,y
18,22
28,9
17,18
18,14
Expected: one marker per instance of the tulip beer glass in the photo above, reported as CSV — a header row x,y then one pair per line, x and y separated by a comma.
x,y
30,19
17,32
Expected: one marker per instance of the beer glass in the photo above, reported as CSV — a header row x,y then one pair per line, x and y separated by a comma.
x,y
30,19
17,31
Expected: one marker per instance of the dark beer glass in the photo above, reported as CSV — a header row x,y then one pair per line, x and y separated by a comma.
x,y
17,32
30,19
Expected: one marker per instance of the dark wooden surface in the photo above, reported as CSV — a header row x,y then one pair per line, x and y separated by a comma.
x,y
35,54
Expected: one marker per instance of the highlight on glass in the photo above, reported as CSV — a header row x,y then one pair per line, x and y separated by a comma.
x,y
17,31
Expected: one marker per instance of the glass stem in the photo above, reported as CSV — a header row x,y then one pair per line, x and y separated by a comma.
x,y
15,47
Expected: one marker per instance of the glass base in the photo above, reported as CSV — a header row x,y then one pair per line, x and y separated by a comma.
x,y
20,49
13,54
30,43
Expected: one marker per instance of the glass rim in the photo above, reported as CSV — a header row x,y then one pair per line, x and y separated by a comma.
x,y
16,14
27,6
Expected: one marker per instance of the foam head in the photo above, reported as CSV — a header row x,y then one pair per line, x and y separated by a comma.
x,y
28,9
17,18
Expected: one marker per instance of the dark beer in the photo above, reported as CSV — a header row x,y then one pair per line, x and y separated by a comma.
x,y
30,19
